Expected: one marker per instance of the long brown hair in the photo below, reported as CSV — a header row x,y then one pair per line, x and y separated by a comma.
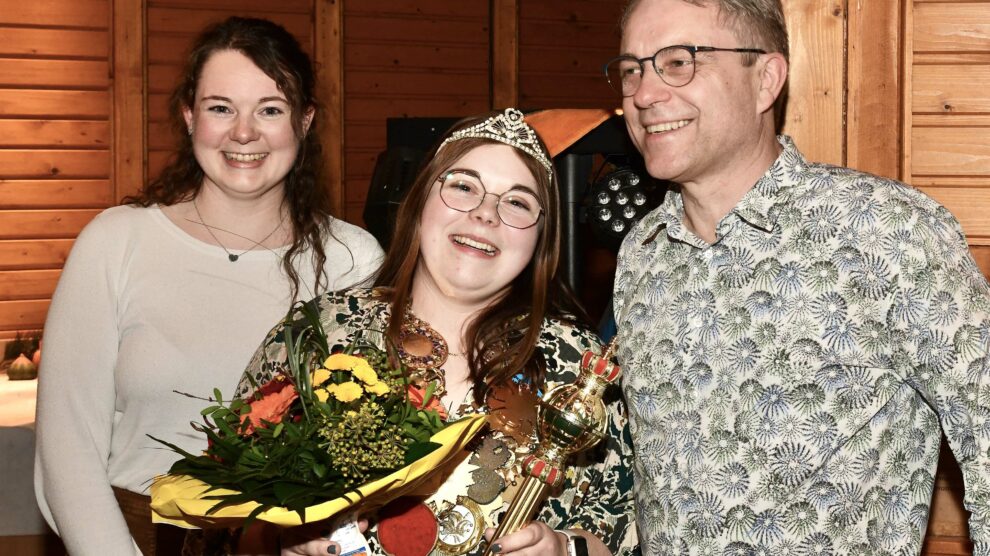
x,y
278,54
502,338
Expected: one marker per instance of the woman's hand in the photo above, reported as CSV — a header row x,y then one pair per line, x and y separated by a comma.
x,y
313,539
535,539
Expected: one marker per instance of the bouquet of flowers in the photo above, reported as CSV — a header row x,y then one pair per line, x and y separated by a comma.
x,y
327,432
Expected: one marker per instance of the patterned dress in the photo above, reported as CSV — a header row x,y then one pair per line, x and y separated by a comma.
x,y
597,493
788,385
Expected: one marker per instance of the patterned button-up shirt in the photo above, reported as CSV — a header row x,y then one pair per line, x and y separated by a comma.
x,y
789,384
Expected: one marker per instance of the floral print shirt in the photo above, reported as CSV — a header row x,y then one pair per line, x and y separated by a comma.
x,y
597,492
789,384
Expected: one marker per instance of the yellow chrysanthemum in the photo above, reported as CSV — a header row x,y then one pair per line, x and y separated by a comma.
x,y
358,366
346,392
322,394
363,372
342,362
378,388
320,376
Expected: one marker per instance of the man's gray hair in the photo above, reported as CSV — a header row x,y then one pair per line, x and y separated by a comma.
x,y
757,23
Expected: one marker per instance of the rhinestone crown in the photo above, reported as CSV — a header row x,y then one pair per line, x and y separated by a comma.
x,y
508,128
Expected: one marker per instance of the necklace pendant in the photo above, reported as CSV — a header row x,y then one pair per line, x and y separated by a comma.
x,y
232,257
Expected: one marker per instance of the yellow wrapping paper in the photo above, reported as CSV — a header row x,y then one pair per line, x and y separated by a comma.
x,y
182,501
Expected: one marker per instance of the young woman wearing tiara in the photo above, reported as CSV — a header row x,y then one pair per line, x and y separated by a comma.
x,y
470,294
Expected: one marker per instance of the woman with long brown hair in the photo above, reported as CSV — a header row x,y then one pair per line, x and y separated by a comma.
x,y
470,297
172,291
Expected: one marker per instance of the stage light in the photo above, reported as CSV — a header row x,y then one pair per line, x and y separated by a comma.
x,y
618,200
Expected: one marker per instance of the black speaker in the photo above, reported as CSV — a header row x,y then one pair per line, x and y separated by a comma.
x,y
407,142
395,168
598,152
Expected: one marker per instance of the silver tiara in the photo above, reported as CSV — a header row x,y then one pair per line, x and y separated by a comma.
x,y
508,128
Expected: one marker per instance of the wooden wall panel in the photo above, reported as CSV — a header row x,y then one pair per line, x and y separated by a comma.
x,y
23,314
129,122
186,19
28,255
981,254
28,284
946,130
504,19
46,163
54,133
947,88
76,43
57,13
34,194
563,45
407,59
55,139
328,56
816,89
951,26
951,151
873,90
45,224
77,105
82,74
969,206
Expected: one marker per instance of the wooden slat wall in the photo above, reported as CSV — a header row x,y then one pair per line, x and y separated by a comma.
x,y
55,138
948,111
171,27
407,58
562,47
816,95
946,135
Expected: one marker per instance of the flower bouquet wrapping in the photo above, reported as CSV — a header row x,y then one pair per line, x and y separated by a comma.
x,y
327,432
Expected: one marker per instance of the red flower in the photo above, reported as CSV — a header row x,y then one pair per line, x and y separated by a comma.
x,y
276,397
416,395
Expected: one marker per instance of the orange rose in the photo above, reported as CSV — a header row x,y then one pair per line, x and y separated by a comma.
x,y
276,397
416,395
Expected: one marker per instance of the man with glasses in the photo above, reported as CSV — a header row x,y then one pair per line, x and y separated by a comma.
x,y
794,337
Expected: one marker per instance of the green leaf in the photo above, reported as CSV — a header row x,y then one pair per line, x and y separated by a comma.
x,y
285,490
417,450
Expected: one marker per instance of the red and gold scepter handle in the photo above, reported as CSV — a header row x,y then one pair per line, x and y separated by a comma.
x,y
570,418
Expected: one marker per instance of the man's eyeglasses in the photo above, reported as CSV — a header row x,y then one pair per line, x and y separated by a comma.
x,y
464,192
674,64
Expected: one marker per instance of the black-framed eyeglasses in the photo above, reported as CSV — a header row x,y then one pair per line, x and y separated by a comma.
x,y
463,191
674,64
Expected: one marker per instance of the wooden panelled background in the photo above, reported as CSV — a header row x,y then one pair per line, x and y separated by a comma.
x,y
947,111
895,87
407,58
562,47
55,109
946,132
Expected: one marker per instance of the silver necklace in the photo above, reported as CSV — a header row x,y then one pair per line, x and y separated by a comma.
x,y
232,257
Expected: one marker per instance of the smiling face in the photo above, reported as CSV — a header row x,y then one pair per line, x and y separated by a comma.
x,y
712,128
473,256
241,126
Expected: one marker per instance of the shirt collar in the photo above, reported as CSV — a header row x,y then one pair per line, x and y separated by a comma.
x,y
759,205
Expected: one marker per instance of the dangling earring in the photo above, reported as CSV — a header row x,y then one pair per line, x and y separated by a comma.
x,y
190,130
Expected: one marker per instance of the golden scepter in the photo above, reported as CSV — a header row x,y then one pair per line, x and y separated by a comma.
x,y
569,419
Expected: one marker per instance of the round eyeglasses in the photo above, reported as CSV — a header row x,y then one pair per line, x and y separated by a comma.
x,y
464,192
674,64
